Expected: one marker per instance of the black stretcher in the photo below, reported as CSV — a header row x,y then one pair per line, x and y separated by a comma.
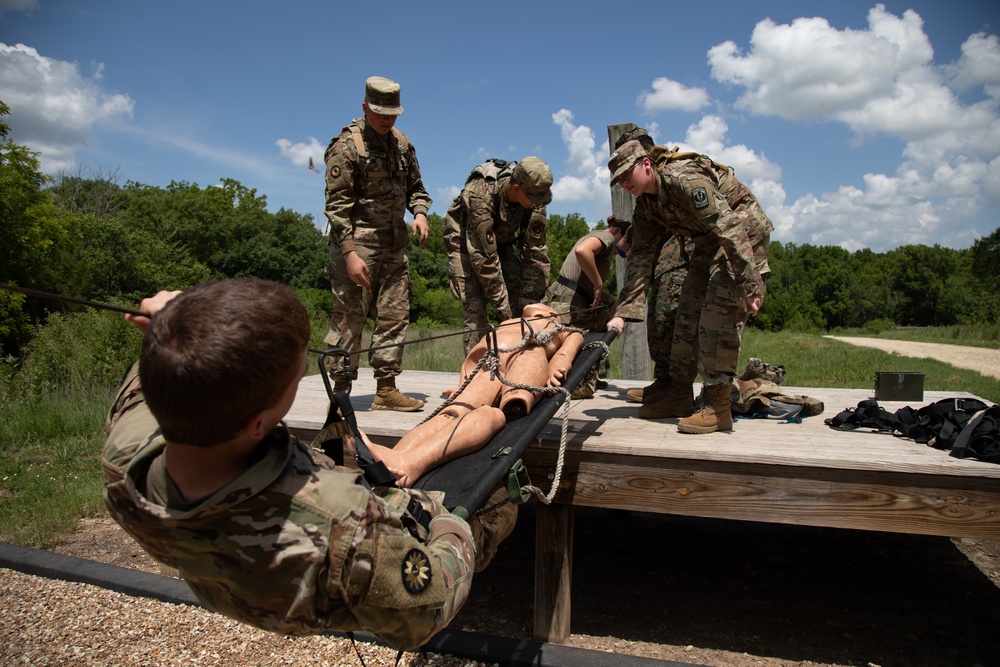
x,y
469,481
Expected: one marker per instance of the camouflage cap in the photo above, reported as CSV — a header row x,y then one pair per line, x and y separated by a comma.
x,y
623,159
634,133
535,178
382,96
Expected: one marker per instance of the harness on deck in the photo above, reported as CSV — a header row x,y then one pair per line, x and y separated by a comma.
x,y
340,421
968,427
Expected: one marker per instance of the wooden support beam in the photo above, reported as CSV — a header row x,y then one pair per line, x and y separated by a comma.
x,y
636,363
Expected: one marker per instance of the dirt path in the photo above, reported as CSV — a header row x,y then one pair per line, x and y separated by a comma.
x,y
981,359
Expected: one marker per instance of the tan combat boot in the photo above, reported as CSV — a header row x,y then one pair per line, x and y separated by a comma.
x,y
677,402
649,394
715,416
387,397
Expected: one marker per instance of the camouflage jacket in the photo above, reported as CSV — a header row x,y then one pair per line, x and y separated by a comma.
x,y
369,188
704,205
295,544
490,229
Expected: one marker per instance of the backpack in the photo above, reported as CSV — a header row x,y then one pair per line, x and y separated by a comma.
x,y
492,170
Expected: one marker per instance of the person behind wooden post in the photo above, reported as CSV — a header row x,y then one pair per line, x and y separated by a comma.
x,y
665,277
693,196
372,178
495,236
200,469
485,405
578,293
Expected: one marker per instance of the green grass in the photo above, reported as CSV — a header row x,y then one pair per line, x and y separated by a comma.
x,y
50,469
813,361
50,442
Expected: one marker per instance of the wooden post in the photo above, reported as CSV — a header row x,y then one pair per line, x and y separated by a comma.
x,y
553,572
635,351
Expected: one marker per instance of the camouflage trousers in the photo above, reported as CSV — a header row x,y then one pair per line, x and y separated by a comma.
x,y
709,323
661,307
468,289
386,300
565,300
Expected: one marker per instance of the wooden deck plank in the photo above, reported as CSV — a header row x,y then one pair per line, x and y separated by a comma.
x,y
608,424
764,470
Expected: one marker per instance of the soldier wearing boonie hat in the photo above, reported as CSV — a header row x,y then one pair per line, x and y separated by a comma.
x,y
666,278
372,177
623,159
495,236
690,195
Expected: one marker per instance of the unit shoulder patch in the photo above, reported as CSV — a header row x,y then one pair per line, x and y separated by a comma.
x,y
699,197
416,571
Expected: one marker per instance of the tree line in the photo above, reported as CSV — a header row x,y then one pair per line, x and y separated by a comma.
x,y
87,236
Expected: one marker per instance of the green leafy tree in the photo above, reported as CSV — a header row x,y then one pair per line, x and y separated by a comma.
x,y
34,234
562,234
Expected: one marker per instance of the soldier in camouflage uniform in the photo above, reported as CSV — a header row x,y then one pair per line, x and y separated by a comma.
x,y
665,283
372,178
695,197
494,233
201,471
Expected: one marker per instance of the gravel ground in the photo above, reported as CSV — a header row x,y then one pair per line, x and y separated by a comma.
x,y
49,622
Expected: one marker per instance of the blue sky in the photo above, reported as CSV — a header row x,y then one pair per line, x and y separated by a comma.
x,y
856,124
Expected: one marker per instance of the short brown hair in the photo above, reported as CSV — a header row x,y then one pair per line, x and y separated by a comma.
x,y
219,353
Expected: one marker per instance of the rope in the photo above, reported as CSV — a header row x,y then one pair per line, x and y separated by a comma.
x,y
547,498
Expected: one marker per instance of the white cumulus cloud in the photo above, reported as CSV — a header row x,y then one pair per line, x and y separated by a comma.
x,y
879,81
587,178
669,95
54,107
299,153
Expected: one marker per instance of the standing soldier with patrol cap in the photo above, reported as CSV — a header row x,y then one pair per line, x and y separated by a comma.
x,y
494,233
372,179
695,197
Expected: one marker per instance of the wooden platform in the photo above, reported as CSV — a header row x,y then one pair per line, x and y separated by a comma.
x,y
806,474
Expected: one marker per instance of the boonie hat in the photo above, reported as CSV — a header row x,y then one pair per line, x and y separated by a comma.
x,y
623,159
382,96
535,178
634,133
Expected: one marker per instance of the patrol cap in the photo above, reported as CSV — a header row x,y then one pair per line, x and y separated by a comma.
x,y
633,133
535,178
623,159
382,96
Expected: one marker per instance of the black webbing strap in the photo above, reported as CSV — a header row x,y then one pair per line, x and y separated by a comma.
x,y
967,426
342,410
375,473
566,282
980,439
